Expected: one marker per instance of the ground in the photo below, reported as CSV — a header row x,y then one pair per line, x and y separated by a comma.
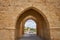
x,y
30,37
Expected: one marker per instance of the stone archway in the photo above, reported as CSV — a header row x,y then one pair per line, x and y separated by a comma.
x,y
42,23
30,18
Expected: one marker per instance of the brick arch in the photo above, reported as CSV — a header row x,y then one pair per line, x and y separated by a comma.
x,y
43,24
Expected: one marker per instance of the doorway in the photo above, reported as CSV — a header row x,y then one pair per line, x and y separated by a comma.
x,y
41,21
30,27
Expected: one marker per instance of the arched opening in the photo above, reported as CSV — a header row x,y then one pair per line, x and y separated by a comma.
x,y
30,27
41,21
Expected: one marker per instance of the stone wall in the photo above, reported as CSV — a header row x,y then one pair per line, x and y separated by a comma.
x,y
10,10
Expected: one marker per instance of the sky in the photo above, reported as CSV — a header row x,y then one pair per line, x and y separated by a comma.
x,y
30,23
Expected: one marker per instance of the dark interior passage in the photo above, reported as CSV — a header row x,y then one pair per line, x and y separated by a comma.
x,y
42,24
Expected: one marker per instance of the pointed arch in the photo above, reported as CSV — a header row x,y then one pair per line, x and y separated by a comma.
x,y
41,19
36,9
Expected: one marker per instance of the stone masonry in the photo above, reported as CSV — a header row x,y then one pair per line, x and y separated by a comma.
x,y
10,10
